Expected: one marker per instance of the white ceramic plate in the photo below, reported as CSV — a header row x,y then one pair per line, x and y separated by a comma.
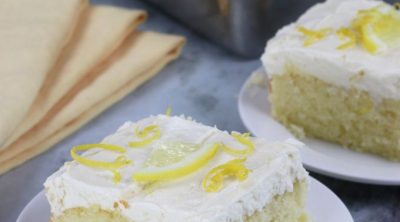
x,y
321,202
320,156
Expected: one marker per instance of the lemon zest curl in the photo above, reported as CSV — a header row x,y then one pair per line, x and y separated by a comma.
x,y
148,135
346,34
168,111
243,139
214,179
313,36
119,162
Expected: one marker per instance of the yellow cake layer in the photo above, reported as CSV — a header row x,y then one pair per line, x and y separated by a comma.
x,y
288,207
349,117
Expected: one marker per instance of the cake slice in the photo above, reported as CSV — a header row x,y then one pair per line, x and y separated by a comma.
x,y
335,75
165,168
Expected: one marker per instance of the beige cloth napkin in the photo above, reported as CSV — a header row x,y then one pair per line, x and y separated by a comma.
x,y
137,60
32,34
100,32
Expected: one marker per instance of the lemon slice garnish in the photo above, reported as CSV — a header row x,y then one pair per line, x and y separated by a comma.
x,y
148,135
243,139
214,179
119,162
313,36
169,153
185,166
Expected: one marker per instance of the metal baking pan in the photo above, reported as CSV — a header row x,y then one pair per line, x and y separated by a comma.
x,y
241,26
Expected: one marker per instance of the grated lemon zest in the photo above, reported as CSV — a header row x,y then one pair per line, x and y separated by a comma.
x,y
174,171
313,36
152,130
214,179
243,139
346,34
119,162
377,30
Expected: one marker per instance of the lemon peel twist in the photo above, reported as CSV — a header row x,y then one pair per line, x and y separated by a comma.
x,y
119,162
243,139
152,130
214,179
313,36
174,171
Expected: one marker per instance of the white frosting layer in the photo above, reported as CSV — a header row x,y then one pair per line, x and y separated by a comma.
x,y
354,67
275,167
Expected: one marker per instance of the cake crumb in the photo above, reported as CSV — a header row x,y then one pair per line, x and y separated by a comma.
x,y
116,205
124,203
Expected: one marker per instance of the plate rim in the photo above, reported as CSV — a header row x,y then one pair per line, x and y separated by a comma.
x,y
312,183
340,204
30,204
308,165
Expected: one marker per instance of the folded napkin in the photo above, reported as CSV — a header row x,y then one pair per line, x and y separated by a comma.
x,y
33,33
140,57
101,31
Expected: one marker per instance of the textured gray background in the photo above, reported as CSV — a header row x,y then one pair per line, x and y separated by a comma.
x,y
203,83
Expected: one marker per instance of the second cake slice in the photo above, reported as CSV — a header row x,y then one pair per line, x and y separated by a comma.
x,y
335,75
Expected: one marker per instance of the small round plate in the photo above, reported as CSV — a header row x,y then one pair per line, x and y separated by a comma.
x,y
319,156
321,202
